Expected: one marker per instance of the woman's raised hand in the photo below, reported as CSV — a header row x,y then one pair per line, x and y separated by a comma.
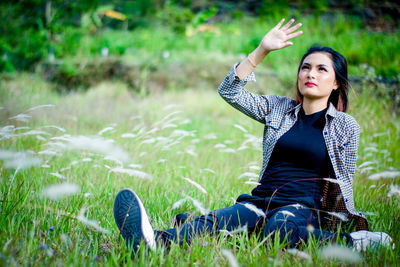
x,y
278,37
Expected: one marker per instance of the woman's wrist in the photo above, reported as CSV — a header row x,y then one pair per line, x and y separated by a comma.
x,y
258,55
250,63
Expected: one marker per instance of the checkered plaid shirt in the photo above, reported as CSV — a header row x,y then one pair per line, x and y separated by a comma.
x,y
279,114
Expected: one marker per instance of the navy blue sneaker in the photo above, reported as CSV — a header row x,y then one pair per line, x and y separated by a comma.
x,y
132,220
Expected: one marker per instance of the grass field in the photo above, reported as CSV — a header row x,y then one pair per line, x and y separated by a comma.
x,y
98,142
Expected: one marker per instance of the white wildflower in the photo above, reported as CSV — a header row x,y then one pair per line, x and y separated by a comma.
x,y
252,183
335,181
367,169
240,128
59,191
172,114
136,166
287,213
35,132
114,159
96,144
394,190
207,170
239,230
48,152
179,203
18,160
22,128
21,117
132,172
183,133
74,162
57,145
227,150
170,106
195,184
343,254
168,125
297,206
198,205
41,106
153,130
369,213
298,253
55,127
128,135
7,132
249,175
255,168
56,174
256,210
341,215
310,228
230,257
210,136
371,149
190,151
220,146
92,223
366,163
385,174
107,129
185,121
41,138
379,134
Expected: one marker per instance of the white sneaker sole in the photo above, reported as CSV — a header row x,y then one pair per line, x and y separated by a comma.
x,y
132,220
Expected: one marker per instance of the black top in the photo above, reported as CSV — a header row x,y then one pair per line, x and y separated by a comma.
x,y
297,164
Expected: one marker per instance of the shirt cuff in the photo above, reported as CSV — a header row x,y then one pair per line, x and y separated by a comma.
x,y
233,76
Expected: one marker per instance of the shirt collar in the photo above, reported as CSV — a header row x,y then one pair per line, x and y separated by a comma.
x,y
331,110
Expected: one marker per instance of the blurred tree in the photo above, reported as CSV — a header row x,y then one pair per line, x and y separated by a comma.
x,y
33,30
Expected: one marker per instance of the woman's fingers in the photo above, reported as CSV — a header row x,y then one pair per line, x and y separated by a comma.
x,y
279,24
293,35
279,36
286,44
294,28
287,25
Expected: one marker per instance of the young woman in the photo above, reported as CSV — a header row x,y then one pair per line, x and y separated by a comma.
x,y
305,140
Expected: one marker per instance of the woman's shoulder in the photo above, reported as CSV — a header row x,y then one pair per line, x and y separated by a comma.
x,y
281,101
345,120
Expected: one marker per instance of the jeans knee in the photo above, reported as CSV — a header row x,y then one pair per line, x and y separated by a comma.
x,y
282,229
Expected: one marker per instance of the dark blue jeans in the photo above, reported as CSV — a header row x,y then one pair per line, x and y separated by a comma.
x,y
293,222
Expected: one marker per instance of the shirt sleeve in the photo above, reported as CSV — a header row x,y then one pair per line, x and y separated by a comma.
x,y
351,148
232,91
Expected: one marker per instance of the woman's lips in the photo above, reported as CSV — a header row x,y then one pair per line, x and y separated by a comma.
x,y
310,84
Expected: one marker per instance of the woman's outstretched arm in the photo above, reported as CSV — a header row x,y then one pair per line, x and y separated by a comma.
x,y
277,38
231,89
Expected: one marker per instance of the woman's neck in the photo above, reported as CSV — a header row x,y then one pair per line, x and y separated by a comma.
x,y
313,106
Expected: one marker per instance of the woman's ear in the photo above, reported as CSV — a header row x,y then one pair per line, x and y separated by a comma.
x,y
335,85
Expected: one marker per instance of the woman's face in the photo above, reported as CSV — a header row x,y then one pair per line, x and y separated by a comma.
x,y
316,78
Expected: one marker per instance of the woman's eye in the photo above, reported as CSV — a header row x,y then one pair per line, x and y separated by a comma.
x,y
322,69
304,67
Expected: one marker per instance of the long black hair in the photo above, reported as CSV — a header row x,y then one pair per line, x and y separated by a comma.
x,y
338,97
